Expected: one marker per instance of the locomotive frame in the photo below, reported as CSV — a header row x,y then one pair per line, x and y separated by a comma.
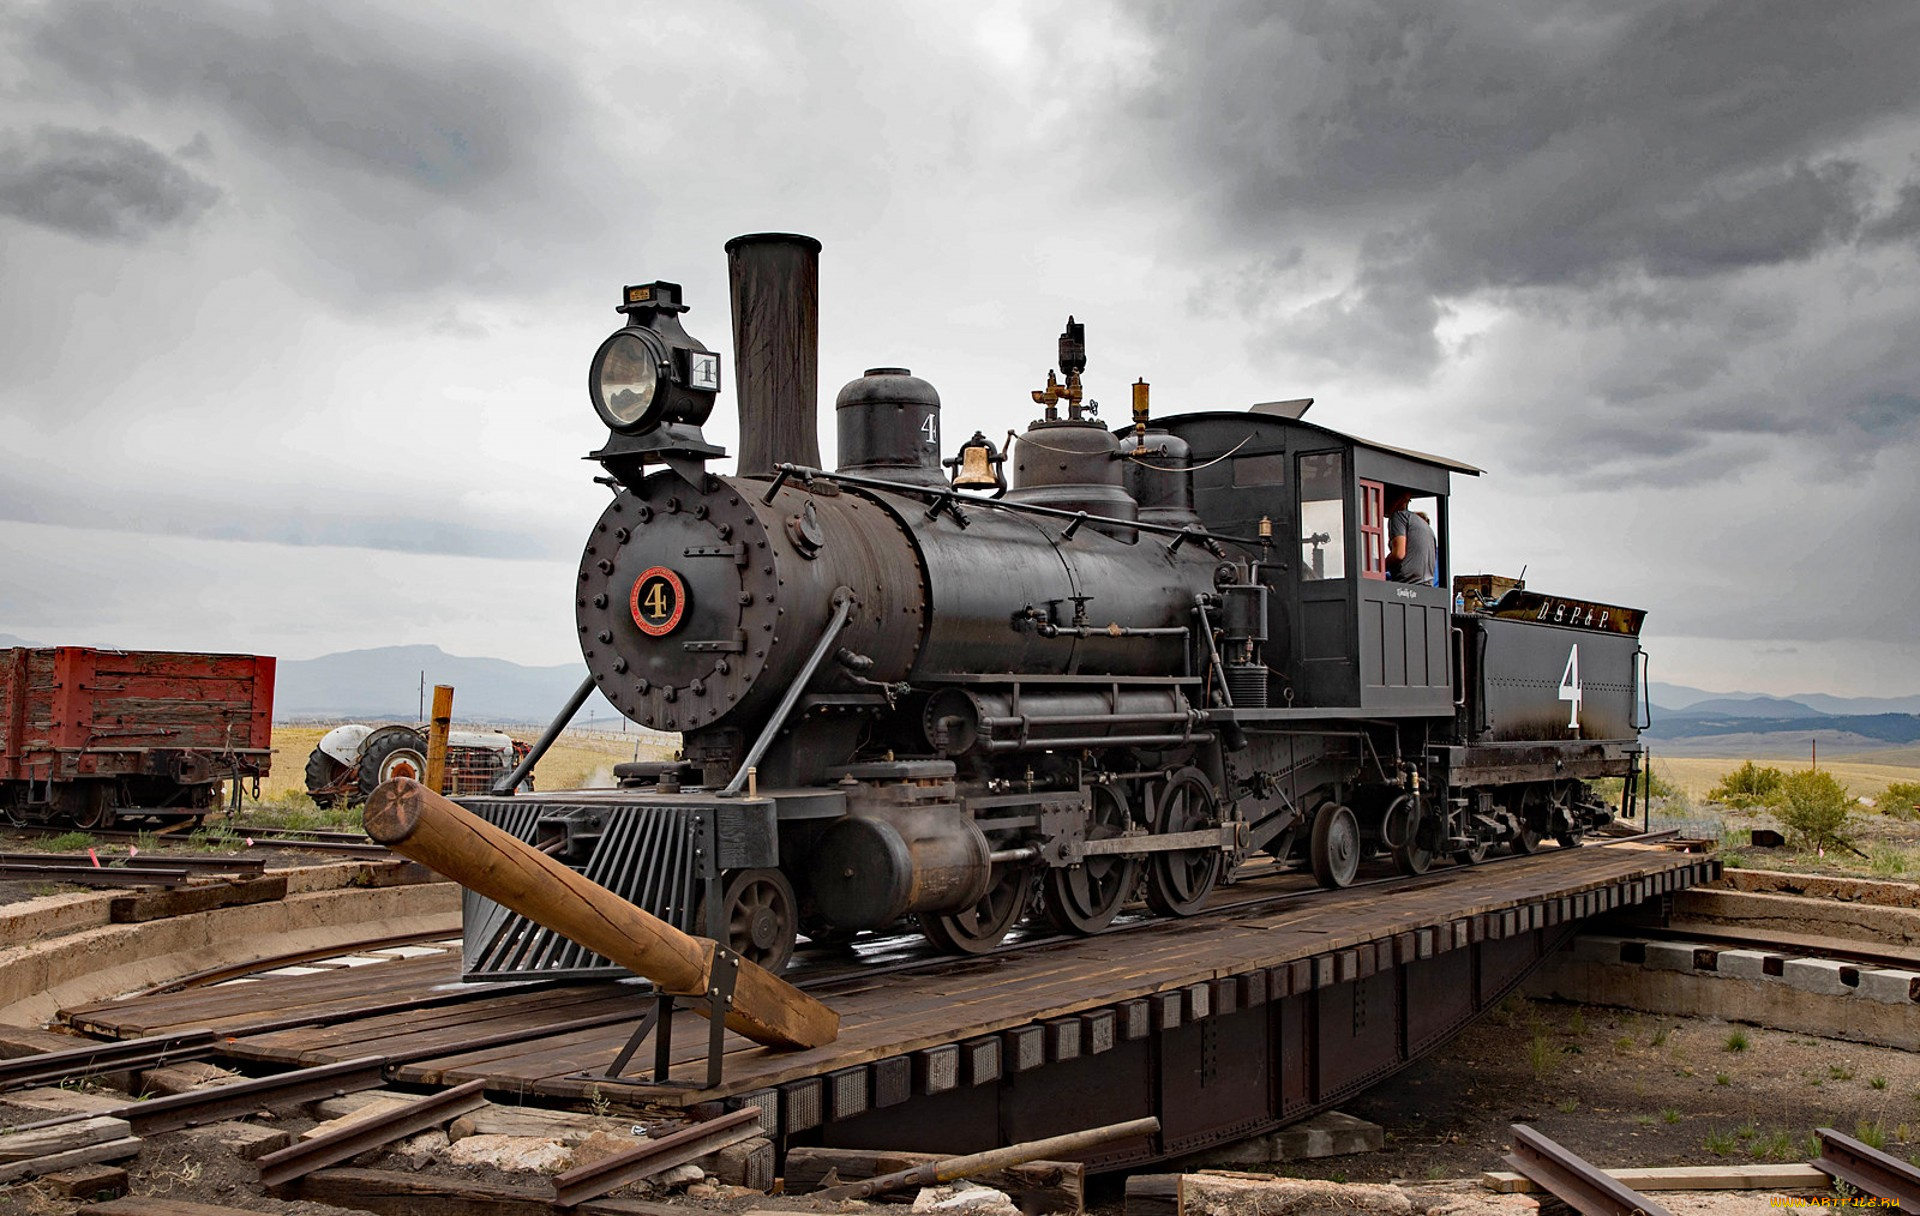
x,y
911,686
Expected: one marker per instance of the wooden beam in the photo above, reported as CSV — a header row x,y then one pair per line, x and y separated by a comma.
x,y
415,822
1034,1186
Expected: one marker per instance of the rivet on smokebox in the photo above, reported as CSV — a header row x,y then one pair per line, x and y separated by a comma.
x,y
622,535
697,686
604,566
600,600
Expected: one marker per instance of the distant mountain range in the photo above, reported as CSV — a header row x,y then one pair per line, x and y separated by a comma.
x,y
384,684
1678,698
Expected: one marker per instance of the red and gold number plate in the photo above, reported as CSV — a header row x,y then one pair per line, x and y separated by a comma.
x,y
658,601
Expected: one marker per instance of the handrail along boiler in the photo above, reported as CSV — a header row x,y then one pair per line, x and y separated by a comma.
x,y
913,685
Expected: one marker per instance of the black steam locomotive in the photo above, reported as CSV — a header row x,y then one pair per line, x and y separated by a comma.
x,y
927,685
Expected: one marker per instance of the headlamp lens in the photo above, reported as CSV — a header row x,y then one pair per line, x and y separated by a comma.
x,y
626,377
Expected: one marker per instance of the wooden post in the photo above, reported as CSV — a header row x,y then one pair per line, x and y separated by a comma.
x,y
936,1172
437,737
415,822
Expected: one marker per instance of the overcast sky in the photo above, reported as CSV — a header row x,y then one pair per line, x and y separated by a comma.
x,y
298,298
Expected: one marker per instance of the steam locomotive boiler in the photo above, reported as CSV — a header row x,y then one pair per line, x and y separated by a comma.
x,y
932,686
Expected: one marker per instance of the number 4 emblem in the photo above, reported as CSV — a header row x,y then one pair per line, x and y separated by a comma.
x,y
1570,686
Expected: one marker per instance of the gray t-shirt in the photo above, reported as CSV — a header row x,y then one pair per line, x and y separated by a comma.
x,y
1418,565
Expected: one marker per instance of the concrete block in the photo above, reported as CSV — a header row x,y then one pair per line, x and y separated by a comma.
x,y
1332,1134
1671,956
1893,987
1742,964
1820,975
1597,948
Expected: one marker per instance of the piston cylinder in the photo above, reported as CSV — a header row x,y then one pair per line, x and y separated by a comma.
x,y
880,863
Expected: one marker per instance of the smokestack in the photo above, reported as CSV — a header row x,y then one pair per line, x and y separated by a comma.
x,y
775,282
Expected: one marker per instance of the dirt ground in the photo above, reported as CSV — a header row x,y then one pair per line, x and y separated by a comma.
x,y
1627,1089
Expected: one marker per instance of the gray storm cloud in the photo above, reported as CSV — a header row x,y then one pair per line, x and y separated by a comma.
x,y
97,184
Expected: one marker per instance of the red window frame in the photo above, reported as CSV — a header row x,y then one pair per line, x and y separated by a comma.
x,y
1373,530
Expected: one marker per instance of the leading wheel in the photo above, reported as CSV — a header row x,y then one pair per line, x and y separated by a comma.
x,y
980,928
759,918
389,754
1179,880
1336,846
1085,898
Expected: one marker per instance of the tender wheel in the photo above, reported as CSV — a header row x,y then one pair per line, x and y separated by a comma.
x,y
759,916
1335,846
322,771
980,928
390,754
1179,881
1085,898
1409,856
1527,809
1560,808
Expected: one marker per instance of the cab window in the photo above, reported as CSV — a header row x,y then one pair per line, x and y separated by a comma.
x,y
1323,516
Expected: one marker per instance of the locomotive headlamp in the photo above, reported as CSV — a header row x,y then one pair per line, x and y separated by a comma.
x,y
652,373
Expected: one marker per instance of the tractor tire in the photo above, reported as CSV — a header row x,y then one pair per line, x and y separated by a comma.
x,y
390,754
323,771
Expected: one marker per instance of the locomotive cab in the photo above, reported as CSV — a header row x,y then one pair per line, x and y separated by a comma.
x,y
1342,636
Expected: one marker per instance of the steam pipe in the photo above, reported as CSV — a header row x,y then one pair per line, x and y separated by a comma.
x,y
511,782
842,610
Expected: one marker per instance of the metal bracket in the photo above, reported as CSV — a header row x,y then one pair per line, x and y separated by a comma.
x,y
723,970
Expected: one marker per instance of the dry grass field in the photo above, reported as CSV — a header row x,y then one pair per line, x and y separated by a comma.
x,y
1864,774
581,759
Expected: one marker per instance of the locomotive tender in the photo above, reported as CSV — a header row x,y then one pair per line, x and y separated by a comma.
x,y
916,685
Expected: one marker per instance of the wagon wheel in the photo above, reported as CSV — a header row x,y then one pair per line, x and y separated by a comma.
x,y
93,807
759,917
1409,856
980,928
1179,880
1335,846
1084,898
396,753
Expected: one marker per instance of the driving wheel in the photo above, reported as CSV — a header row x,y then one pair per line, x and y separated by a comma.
x,y
1084,898
1179,880
1335,846
758,916
980,928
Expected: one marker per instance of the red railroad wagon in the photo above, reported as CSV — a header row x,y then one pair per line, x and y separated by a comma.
x,y
88,736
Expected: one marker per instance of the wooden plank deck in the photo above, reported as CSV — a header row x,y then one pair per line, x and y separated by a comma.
x,y
1168,968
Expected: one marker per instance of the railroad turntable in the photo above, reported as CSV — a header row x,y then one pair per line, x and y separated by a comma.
x,y
1061,761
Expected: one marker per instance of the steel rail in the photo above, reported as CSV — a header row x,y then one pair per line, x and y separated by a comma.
x,y
1576,1182
576,1186
1861,1165
344,1143
252,865
102,876
104,1057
